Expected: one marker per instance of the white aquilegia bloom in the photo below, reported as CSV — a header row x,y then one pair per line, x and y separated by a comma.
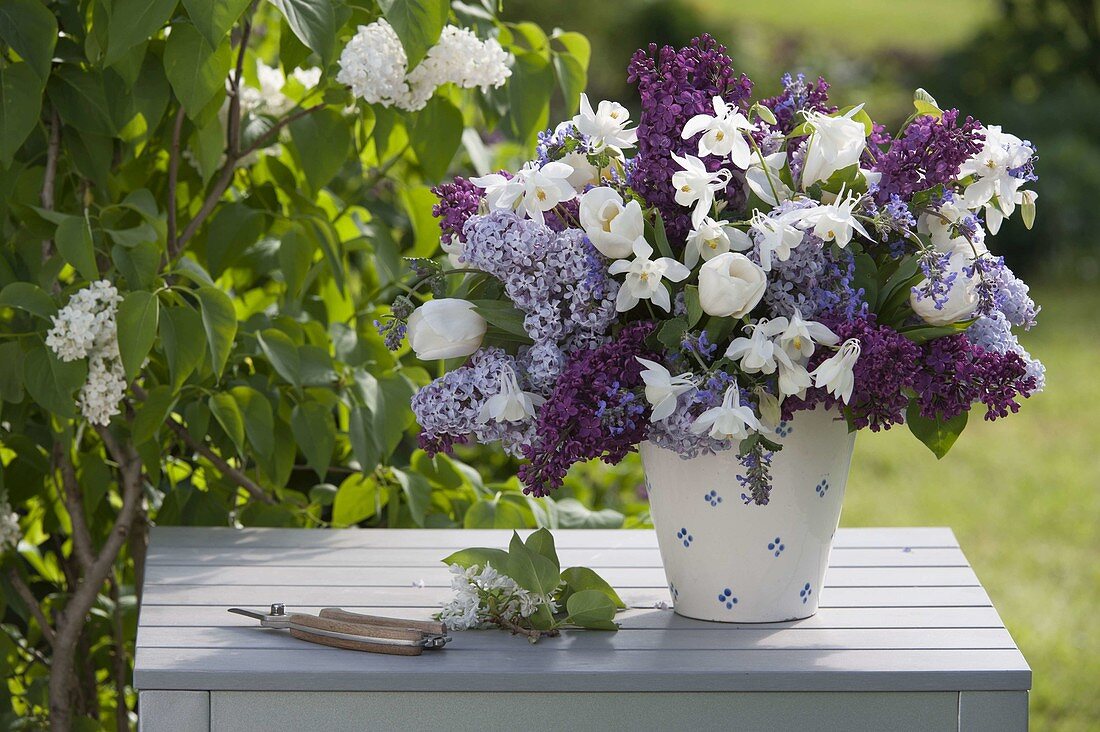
x,y
757,353
800,335
662,388
611,226
776,235
711,238
723,133
533,190
510,404
606,126
765,182
645,278
996,169
9,527
731,285
834,144
962,295
696,186
445,328
728,421
794,379
835,374
835,221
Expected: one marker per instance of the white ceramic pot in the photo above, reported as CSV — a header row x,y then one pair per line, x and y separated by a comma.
x,y
732,561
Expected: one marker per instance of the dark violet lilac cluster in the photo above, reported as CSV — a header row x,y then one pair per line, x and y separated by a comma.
x,y
458,201
576,423
953,374
929,152
674,86
798,96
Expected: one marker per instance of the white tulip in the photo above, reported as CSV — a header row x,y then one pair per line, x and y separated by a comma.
x,y
835,374
645,278
611,227
730,285
962,295
711,238
728,421
835,144
606,126
662,388
510,404
445,328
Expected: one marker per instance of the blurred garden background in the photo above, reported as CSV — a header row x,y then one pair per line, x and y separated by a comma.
x,y
1023,495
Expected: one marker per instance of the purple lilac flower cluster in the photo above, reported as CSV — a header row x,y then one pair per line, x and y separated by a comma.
x,y
798,96
929,152
458,201
674,86
953,374
576,423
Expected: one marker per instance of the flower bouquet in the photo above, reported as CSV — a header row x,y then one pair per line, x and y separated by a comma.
x,y
736,286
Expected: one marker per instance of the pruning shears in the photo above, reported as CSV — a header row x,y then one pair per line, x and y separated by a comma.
x,y
354,631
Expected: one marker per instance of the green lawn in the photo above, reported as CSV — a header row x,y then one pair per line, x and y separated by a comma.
x,y
1023,497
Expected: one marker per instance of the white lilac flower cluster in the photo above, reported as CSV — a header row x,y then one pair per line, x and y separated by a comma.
x,y
484,596
269,97
9,527
86,328
375,66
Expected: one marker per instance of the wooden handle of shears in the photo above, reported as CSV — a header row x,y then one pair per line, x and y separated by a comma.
x,y
300,626
426,626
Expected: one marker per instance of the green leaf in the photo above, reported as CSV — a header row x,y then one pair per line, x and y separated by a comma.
x,y
20,103
591,609
224,408
418,202
132,22
364,446
392,416
314,22
418,494
502,314
531,570
232,230
51,382
925,103
417,23
672,332
139,264
30,29
81,99
937,434
572,514
479,556
436,136
529,92
579,579
74,241
694,307
571,66
295,257
661,237
259,421
493,514
214,18
357,499
153,412
138,316
282,353
923,333
866,277
31,298
322,140
195,69
11,376
315,433
542,542
183,341
219,320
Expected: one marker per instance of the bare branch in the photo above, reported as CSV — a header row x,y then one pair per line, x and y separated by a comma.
x,y
28,598
233,133
220,463
53,149
74,504
266,138
173,177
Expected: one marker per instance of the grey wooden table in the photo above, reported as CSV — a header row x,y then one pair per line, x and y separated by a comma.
x,y
906,639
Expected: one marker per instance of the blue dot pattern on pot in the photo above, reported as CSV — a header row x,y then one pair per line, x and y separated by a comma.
x,y
685,537
783,428
673,591
776,546
712,498
725,597
805,593
822,487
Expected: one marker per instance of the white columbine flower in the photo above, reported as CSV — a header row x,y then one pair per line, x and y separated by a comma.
x,y
762,181
445,328
962,295
835,373
800,335
730,285
730,420
645,276
794,379
757,352
711,238
533,190
662,388
696,186
776,235
723,133
835,144
611,226
836,221
510,404
605,127
995,187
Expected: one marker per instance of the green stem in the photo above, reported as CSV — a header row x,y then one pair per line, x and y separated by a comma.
x,y
767,170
